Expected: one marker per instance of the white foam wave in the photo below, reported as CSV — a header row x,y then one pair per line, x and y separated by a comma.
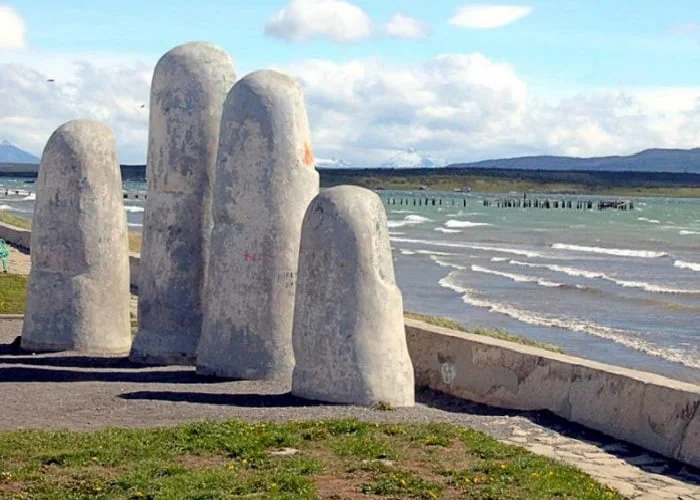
x,y
582,273
29,197
435,252
448,244
685,232
650,221
408,220
646,254
133,209
134,224
449,231
622,337
681,264
465,223
519,278
499,259
401,212
406,252
8,208
443,263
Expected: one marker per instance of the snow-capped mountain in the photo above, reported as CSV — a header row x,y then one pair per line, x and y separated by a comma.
x,y
410,158
332,163
9,153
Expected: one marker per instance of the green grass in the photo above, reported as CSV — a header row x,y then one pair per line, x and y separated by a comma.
x,y
487,332
334,459
13,220
13,293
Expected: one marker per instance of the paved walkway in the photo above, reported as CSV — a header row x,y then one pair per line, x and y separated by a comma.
x,y
70,391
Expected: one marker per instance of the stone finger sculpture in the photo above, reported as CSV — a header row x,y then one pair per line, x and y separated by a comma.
x,y
190,83
349,338
265,179
78,294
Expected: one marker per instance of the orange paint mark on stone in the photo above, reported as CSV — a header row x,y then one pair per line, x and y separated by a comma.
x,y
308,155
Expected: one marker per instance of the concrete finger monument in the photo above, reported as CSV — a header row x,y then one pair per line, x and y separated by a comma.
x,y
190,83
265,179
78,296
349,338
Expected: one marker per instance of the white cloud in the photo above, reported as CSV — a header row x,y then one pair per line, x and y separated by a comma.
x,y
483,16
301,20
12,29
31,107
452,107
402,26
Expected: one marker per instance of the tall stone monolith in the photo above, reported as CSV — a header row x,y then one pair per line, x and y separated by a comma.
x,y
265,179
190,84
78,296
349,338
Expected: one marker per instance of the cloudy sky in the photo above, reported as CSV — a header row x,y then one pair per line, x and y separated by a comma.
x,y
456,81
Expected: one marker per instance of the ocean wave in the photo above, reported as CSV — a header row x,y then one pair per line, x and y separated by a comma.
x,y
443,263
685,232
134,209
435,252
622,337
408,220
681,264
519,278
465,223
8,208
499,259
29,197
401,212
650,221
582,273
449,231
646,254
406,252
448,244
134,224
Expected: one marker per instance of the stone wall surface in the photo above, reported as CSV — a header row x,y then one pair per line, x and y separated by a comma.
x,y
265,179
78,287
649,410
15,235
190,83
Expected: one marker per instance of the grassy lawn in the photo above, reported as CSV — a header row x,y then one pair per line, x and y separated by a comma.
x,y
488,332
13,293
332,459
13,220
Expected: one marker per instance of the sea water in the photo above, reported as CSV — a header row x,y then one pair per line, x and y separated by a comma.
x,y
620,287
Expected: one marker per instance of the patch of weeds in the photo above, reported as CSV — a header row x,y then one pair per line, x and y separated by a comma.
x,y
404,483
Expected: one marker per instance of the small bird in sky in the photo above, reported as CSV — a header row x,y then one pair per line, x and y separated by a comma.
x,y
143,106
50,80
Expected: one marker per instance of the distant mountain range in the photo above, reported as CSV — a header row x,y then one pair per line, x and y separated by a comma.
x,y
9,153
649,160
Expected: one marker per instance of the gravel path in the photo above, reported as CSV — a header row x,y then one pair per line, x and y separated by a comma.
x,y
57,391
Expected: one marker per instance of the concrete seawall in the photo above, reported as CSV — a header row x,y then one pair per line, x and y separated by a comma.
x,y
651,411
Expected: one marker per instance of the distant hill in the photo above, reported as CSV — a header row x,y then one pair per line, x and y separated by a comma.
x,y
649,160
668,161
9,153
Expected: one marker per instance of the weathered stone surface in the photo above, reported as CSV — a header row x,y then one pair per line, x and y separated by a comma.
x,y
15,235
78,295
349,338
649,410
189,87
689,449
265,179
